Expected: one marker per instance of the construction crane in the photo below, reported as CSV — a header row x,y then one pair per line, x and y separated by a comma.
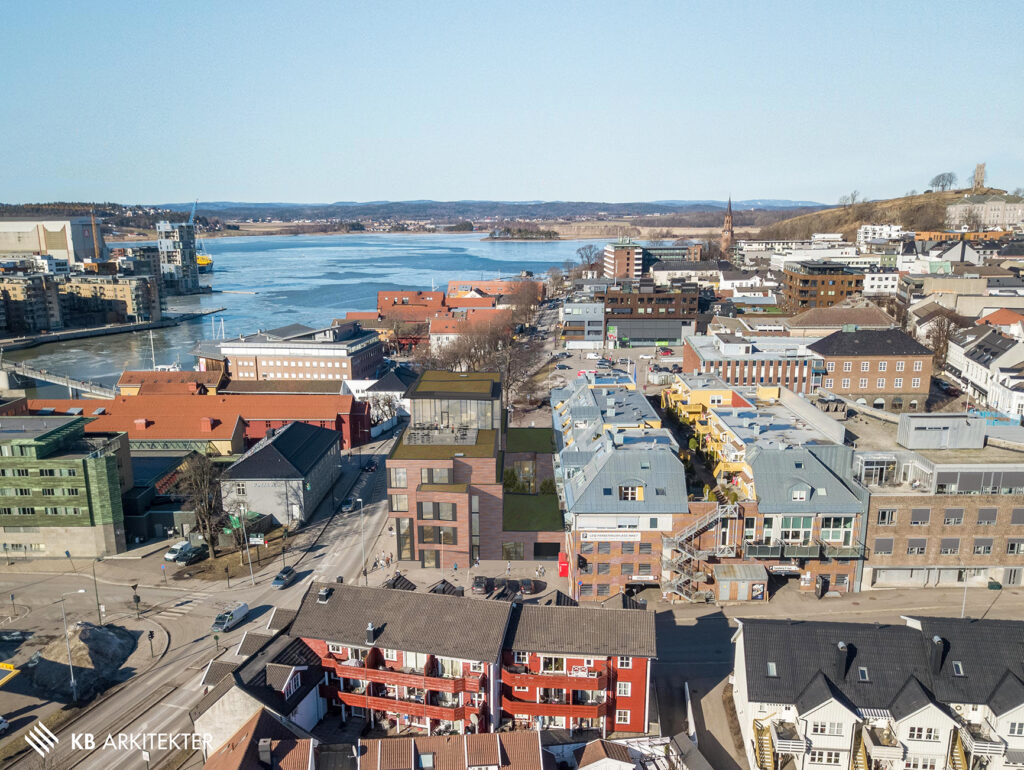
x,y
192,216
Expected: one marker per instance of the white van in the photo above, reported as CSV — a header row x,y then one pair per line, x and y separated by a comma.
x,y
230,618
177,550
593,356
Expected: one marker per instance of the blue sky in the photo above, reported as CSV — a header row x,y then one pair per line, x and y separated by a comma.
x,y
617,101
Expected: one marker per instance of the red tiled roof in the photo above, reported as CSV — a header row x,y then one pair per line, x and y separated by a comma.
x,y
519,750
128,377
210,417
360,315
468,322
241,751
472,301
1002,317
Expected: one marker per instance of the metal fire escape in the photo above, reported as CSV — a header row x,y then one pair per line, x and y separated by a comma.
x,y
687,562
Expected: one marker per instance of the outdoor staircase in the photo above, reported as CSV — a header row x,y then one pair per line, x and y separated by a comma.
x,y
687,565
860,753
957,758
764,752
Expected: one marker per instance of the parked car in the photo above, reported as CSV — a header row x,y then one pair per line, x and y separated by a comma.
x,y
593,357
284,578
177,550
192,555
347,505
481,584
646,356
230,618
665,352
4,726
528,587
624,361
371,467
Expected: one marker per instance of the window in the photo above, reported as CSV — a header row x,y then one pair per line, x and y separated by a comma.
x,y
604,547
897,383
645,548
773,670
1017,728
522,689
818,757
916,382
426,761
292,684
622,716
830,366
240,489
625,662
862,383
522,657
982,546
826,728
476,666
827,383
391,655
397,478
603,589
882,365
865,366
886,517
623,689
335,649
1015,547
958,668
916,546
899,366
949,546
923,734
919,517
799,494
837,529
604,568
847,366
631,493
628,547
987,516
845,385
862,674
880,383
918,366
954,517
399,502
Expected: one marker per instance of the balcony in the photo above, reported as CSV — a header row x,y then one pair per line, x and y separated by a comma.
x,y
839,551
881,744
574,679
787,738
754,549
397,706
404,677
981,740
532,709
801,550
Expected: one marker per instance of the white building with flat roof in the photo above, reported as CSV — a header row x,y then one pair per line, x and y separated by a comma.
x,y
75,239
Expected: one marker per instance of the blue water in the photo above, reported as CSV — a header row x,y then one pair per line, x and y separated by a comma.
x,y
300,279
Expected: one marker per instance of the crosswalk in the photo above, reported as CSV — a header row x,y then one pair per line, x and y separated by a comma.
x,y
184,606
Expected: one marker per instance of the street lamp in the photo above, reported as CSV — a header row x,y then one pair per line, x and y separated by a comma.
x,y
96,588
362,541
67,642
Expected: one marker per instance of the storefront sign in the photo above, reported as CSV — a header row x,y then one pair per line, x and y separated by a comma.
x,y
610,535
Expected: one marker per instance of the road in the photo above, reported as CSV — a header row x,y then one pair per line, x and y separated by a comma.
x,y
158,700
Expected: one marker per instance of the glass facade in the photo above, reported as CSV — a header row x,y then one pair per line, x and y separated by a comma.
x,y
455,413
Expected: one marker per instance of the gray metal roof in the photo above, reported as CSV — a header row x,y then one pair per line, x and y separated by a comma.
x,y
779,473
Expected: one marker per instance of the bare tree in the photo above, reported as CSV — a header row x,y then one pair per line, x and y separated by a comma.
x,y
199,482
383,406
909,193
1019,191
939,332
943,181
587,254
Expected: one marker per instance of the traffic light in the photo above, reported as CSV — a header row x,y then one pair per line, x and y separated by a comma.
x,y
581,563
151,635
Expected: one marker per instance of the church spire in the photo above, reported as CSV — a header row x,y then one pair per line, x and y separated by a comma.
x,y
727,234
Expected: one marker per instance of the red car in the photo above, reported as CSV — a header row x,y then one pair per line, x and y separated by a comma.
x,y
665,352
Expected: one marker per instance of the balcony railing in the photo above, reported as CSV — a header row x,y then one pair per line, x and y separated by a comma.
x,y
404,678
518,676
801,550
532,709
839,551
881,744
787,738
761,550
396,706
981,741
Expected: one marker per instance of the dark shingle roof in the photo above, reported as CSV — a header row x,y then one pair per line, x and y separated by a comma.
x,y
582,631
262,675
449,626
290,454
904,665
595,751
217,670
819,690
442,586
252,642
399,582
392,382
280,619
869,342
911,698
1007,695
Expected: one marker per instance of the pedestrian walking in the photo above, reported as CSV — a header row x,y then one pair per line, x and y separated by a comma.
x,y
508,569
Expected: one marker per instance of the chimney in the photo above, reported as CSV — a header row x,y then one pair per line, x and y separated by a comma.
x,y
141,423
265,753
205,424
371,632
935,653
841,654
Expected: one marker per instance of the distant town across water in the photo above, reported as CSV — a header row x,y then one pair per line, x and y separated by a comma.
x,y
265,282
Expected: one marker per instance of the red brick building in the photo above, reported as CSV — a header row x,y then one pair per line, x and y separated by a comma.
x,y
430,662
